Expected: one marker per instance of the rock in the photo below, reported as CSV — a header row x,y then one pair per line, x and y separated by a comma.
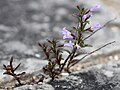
x,y
92,79
23,23
35,87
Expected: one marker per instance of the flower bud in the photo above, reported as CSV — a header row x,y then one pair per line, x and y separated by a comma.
x,y
78,7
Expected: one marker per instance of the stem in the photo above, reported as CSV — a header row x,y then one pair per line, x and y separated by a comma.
x,y
18,80
53,77
93,52
55,53
65,62
79,31
71,55
46,53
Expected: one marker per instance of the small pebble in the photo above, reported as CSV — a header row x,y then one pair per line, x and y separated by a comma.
x,y
116,57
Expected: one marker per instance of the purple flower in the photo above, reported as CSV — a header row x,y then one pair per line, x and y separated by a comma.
x,y
95,8
96,26
70,44
86,16
66,34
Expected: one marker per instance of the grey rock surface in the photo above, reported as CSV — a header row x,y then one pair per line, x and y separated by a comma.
x,y
24,23
35,87
105,77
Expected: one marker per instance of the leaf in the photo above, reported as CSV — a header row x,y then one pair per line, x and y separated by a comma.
x,y
5,73
60,56
21,74
11,60
4,66
58,51
50,66
44,47
40,44
87,22
87,45
17,66
49,41
59,59
60,45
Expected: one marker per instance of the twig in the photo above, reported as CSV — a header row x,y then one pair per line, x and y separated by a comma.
x,y
65,62
93,52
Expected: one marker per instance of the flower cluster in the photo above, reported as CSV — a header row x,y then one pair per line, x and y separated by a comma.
x,y
83,16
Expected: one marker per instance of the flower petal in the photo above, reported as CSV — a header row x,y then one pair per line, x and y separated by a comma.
x,y
96,26
66,34
95,8
70,44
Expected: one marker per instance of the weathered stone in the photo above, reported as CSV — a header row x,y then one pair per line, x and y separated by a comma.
x,y
24,23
